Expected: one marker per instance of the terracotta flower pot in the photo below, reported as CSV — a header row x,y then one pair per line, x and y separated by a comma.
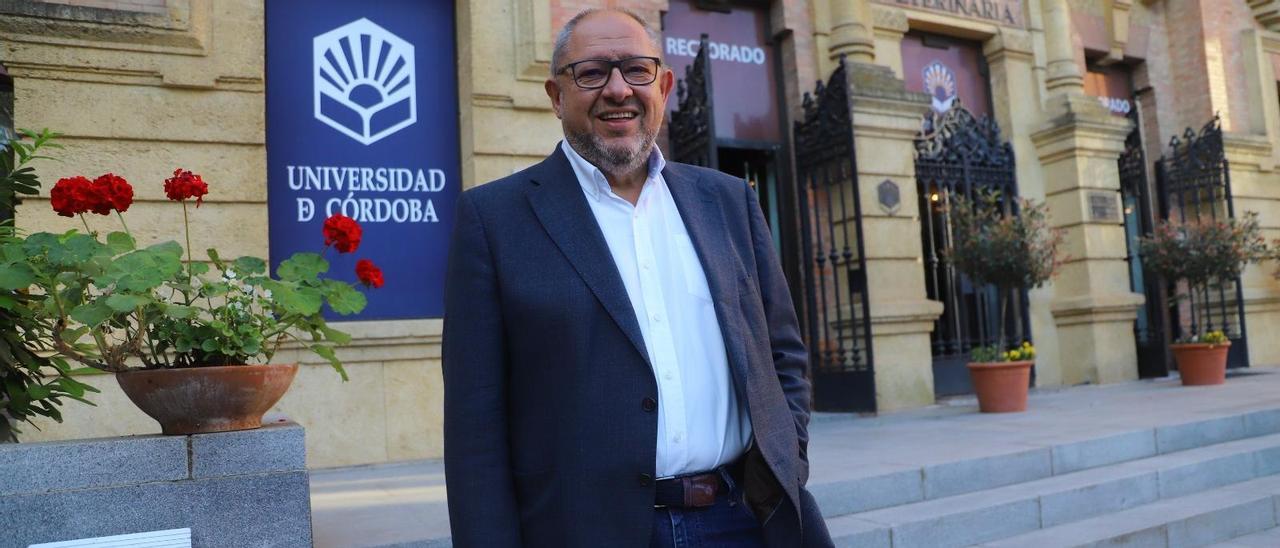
x,y
207,399
1001,386
1201,364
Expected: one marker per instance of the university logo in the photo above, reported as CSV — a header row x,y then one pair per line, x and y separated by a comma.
x,y
364,81
940,84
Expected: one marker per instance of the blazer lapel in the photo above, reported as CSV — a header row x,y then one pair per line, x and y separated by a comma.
x,y
706,226
562,209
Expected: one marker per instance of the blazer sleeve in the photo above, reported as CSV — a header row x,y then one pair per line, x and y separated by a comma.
x,y
481,493
790,359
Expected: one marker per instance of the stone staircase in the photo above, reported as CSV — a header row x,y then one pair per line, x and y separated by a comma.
x,y
1147,463
1214,480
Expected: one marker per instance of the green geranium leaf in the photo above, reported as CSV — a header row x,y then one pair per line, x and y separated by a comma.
x,y
209,345
217,261
73,335
178,312
344,299
167,248
250,265
16,276
327,353
120,242
302,267
74,249
126,303
91,314
302,301
199,269
339,337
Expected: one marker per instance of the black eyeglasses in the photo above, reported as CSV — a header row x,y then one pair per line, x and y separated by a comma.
x,y
595,73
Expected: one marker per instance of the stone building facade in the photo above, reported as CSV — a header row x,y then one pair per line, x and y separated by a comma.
x,y
142,86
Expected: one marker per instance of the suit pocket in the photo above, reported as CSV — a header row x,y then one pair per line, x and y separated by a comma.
x,y
695,281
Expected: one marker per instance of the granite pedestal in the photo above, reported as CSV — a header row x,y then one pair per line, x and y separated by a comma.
x,y
247,488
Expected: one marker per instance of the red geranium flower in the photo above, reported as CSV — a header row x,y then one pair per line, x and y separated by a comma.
x,y
342,232
71,196
368,273
185,184
114,190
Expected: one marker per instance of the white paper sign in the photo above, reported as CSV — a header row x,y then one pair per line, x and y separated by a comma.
x,y
170,538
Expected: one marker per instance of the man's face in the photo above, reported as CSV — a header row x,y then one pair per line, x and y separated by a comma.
x,y
612,127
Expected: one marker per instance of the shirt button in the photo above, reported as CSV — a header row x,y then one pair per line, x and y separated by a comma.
x,y
676,438
657,318
645,480
668,376
649,404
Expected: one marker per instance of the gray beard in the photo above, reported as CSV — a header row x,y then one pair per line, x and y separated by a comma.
x,y
616,160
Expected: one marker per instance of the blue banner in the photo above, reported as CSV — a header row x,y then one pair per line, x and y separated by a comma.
x,y
362,120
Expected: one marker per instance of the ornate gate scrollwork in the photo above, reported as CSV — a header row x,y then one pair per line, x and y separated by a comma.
x,y
958,154
1193,182
693,128
838,327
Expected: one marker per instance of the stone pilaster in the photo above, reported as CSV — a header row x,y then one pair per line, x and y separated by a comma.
x,y
886,118
1092,305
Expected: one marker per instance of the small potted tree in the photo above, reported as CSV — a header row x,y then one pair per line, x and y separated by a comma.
x,y
1204,256
1012,247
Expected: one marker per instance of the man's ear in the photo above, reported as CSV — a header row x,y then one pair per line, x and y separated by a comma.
x,y
665,83
553,92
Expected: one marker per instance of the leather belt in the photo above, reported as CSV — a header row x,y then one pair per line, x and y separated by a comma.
x,y
698,491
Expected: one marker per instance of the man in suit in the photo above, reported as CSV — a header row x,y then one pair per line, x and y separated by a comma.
x,y
622,363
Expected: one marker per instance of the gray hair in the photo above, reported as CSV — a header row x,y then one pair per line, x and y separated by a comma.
x,y
562,39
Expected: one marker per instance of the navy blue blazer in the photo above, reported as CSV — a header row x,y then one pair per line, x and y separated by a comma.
x,y
547,439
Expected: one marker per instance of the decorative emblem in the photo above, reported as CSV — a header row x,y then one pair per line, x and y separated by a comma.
x,y
365,81
887,192
940,84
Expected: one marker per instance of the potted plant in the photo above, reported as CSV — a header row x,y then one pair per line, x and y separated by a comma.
x,y
190,342
1012,247
1206,255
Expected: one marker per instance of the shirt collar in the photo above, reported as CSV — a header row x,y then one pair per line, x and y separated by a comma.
x,y
593,180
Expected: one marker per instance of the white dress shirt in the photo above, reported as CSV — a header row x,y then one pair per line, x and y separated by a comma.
x,y
701,421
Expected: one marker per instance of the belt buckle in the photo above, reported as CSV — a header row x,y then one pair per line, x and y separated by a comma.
x,y
699,492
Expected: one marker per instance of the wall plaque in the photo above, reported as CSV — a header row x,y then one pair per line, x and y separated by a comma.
x,y
1103,207
1001,12
889,196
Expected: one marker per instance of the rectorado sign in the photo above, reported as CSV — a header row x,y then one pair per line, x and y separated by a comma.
x,y
362,115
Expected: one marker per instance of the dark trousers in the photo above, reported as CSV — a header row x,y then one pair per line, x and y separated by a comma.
x,y
726,524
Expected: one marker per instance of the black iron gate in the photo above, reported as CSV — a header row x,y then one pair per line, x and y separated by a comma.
x,y
693,128
1194,185
958,154
1151,327
838,330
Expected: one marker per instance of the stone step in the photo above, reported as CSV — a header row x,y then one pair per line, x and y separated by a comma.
x,y
992,514
898,485
1269,538
1201,519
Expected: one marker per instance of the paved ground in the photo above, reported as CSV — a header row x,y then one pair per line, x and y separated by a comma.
x,y
405,503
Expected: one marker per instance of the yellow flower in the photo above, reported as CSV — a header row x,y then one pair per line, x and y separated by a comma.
x,y
1014,355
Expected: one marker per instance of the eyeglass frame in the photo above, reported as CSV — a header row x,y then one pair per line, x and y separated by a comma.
x,y
613,64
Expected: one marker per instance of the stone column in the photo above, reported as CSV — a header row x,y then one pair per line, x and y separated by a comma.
x,y
1092,305
1064,75
851,31
886,118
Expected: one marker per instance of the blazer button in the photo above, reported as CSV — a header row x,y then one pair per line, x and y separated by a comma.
x,y
645,480
649,404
